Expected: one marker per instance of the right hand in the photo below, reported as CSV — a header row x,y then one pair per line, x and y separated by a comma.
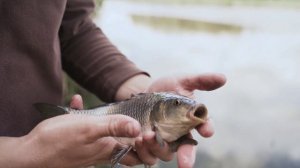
x,y
79,140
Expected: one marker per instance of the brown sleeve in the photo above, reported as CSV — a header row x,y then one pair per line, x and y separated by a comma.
x,y
88,56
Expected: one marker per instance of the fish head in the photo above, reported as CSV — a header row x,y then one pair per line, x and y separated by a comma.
x,y
175,115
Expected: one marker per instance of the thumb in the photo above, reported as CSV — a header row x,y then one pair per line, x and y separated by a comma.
x,y
116,126
206,82
186,156
76,102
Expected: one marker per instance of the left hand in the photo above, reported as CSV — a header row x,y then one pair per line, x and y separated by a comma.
x,y
147,147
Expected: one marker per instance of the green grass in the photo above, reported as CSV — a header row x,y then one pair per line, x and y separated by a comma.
x,y
71,88
180,24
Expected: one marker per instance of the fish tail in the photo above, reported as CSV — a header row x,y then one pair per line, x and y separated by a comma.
x,y
49,110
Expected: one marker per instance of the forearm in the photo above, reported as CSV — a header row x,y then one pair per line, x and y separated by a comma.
x,y
88,56
134,85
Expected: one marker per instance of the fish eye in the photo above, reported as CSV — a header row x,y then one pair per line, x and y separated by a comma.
x,y
177,102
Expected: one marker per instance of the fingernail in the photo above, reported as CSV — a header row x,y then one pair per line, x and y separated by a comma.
x,y
139,141
76,96
149,135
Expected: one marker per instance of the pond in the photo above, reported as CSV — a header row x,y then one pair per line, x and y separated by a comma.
x,y
257,114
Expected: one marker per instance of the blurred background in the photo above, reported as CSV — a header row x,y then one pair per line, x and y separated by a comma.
x,y
255,43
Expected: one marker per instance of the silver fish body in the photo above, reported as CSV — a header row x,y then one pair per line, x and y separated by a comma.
x,y
171,116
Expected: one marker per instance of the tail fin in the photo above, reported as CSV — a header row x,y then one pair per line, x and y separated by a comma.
x,y
49,110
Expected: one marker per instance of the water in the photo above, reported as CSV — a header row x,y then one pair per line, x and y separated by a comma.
x,y
257,113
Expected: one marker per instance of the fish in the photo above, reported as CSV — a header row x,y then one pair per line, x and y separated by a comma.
x,y
169,115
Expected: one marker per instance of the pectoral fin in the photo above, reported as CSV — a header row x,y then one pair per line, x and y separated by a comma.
x,y
118,156
182,140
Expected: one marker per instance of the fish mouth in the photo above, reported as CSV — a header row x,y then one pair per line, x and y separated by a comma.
x,y
198,113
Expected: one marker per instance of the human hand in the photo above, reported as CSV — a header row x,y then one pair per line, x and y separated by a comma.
x,y
79,140
148,149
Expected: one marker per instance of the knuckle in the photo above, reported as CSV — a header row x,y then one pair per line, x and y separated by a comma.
x,y
43,131
117,125
85,133
112,127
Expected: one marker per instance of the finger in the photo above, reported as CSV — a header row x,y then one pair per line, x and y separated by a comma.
x,y
76,102
113,125
143,152
206,129
186,156
102,151
162,152
131,159
203,82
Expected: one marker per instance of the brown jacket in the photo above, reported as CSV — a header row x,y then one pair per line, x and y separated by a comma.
x,y
40,38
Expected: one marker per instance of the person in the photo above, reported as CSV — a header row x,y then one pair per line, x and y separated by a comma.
x,y
38,40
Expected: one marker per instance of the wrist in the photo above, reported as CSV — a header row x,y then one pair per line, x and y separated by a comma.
x,y
137,84
15,153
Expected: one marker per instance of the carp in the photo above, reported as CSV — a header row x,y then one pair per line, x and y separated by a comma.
x,y
169,115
